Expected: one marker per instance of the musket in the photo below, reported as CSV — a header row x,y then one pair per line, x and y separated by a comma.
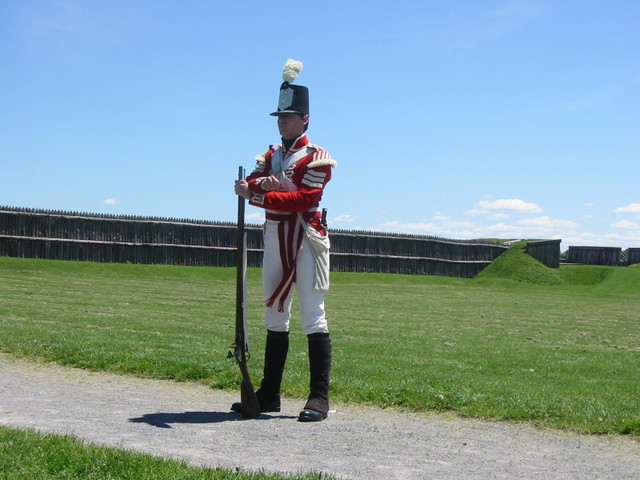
x,y
250,405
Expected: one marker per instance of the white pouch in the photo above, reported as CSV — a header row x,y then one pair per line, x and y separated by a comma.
x,y
320,246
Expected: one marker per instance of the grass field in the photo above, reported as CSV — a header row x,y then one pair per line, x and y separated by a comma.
x,y
557,348
26,455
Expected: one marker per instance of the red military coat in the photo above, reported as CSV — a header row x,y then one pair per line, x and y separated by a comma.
x,y
303,172
307,169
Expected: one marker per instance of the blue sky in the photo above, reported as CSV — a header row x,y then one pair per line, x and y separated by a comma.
x,y
463,119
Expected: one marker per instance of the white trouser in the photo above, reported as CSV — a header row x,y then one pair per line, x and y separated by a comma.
x,y
311,302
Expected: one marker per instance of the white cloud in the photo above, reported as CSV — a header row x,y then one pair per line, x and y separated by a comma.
x,y
110,201
256,216
514,204
458,224
540,227
631,208
630,238
504,227
546,222
396,226
449,229
510,218
626,224
476,211
582,238
589,204
344,219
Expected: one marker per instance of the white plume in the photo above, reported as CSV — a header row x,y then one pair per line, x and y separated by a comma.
x,y
291,70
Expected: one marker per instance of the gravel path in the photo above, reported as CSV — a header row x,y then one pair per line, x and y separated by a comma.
x,y
193,423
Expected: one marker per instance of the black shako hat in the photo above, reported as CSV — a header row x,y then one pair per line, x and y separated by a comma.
x,y
293,98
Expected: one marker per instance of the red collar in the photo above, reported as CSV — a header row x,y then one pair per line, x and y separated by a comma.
x,y
299,142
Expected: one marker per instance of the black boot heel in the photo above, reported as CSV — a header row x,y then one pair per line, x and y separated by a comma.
x,y
317,406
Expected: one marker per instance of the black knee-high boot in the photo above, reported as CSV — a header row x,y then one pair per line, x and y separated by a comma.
x,y
317,405
275,357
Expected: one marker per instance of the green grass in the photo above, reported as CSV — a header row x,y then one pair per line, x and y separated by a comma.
x,y
515,265
27,455
556,348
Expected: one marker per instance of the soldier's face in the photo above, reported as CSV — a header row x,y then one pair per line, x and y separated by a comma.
x,y
291,125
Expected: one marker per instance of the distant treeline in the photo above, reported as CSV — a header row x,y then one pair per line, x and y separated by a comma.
x,y
32,233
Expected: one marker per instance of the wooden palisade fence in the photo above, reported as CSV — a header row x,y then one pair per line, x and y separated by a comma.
x,y
594,255
610,256
59,235
546,251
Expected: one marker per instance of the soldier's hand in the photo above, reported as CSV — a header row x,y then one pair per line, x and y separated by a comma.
x,y
242,189
270,183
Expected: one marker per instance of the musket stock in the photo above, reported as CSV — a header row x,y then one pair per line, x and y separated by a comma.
x,y
250,405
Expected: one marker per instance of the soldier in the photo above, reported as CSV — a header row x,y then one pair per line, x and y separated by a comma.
x,y
288,182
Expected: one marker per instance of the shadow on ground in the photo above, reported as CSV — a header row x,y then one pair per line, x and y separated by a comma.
x,y
164,420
